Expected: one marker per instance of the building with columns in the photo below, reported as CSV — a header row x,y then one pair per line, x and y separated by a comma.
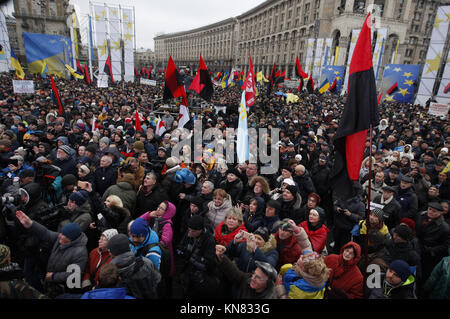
x,y
278,30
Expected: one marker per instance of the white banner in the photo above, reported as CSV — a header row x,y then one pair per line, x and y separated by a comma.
x,y
318,59
327,54
378,51
438,109
102,81
148,82
355,35
23,86
309,55
100,38
114,42
5,53
128,43
434,55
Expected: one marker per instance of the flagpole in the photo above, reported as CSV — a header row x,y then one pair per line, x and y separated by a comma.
x,y
368,200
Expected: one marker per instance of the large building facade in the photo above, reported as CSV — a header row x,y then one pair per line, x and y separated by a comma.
x,y
278,30
40,16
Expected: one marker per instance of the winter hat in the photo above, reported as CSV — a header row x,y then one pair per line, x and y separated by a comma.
x,y
65,149
171,162
408,221
234,171
379,213
444,149
292,189
138,145
197,201
139,227
119,244
71,231
403,231
401,268
288,181
184,175
78,198
263,232
436,206
5,253
85,169
110,233
196,222
68,179
105,140
91,148
26,173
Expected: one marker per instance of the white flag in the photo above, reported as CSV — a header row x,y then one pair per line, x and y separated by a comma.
x,y
160,128
183,118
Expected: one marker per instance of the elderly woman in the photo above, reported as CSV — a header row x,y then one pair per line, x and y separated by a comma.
x,y
225,232
98,257
218,207
345,274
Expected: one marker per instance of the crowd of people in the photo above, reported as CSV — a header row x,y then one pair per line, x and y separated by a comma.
x,y
94,208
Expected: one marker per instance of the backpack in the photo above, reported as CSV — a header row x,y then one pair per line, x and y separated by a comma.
x,y
166,260
140,286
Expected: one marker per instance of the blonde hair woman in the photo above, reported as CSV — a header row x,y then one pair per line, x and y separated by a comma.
x,y
218,207
234,222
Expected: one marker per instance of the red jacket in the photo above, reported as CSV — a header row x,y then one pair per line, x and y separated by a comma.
x,y
224,240
318,238
346,275
288,250
95,259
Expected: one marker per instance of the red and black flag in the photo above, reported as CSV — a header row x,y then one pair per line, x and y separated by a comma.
x,y
271,79
149,72
310,84
87,76
108,69
80,69
137,121
360,112
279,77
447,88
300,86
392,89
332,88
173,85
135,72
56,96
299,71
202,83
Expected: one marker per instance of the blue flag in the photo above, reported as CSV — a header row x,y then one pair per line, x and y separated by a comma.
x,y
405,75
243,151
331,72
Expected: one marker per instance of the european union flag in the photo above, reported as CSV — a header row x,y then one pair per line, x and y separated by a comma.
x,y
332,72
406,76
45,52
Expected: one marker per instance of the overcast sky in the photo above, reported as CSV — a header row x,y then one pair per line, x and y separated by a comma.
x,y
167,16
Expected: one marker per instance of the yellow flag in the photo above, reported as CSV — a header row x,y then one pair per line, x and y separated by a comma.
x,y
259,76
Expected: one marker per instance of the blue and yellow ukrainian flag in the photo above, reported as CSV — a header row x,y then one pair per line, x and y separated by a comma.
x,y
324,86
44,53
16,65
224,82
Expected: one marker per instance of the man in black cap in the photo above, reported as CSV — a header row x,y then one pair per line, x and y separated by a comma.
x,y
407,198
434,237
197,250
392,177
271,215
391,207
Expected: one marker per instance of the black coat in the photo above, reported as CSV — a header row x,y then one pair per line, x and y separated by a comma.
x,y
146,202
391,212
103,178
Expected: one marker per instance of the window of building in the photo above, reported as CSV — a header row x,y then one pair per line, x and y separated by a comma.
x,y
408,53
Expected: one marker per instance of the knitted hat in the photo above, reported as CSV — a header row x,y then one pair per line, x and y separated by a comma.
x,y
196,222
91,148
403,231
197,201
71,231
4,255
263,232
408,221
378,212
119,244
85,169
138,145
289,181
401,268
139,227
105,140
171,162
65,149
292,189
110,233
78,198
68,179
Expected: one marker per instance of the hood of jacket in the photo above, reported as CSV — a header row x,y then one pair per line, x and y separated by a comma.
x,y
107,293
170,211
344,264
125,185
269,245
33,191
